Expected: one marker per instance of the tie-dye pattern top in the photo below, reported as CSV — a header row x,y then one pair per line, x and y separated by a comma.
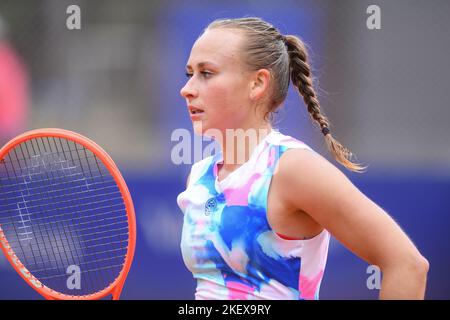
x,y
227,242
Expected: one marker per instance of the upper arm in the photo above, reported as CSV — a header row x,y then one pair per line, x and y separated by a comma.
x,y
318,188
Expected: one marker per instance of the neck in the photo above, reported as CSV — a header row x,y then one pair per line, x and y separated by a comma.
x,y
238,145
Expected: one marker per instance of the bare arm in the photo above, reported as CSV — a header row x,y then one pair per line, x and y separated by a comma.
x,y
329,197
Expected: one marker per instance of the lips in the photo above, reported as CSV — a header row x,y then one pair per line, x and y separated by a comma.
x,y
195,110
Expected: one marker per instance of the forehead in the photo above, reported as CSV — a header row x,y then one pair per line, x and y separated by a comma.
x,y
219,46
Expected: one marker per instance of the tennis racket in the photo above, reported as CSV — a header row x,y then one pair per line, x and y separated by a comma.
x,y
67,222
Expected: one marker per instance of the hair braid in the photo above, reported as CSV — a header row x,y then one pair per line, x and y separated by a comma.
x,y
300,71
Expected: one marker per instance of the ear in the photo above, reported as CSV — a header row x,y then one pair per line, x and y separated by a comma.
x,y
259,85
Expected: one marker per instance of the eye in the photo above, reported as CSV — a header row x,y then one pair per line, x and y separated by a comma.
x,y
206,74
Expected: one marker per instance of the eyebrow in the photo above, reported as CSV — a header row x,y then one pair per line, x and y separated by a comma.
x,y
201,64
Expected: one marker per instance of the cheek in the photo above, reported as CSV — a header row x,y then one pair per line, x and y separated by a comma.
x,y
226,99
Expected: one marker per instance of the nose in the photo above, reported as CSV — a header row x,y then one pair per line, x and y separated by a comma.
x,y
188,91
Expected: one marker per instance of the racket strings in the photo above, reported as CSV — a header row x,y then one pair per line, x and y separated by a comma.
x,y
103,280
51,261
101,277
85,271
65,255
70,207
26,183
71,243
66,214
35,164
61,213
23,222
68,189
83,263
94,245
91,228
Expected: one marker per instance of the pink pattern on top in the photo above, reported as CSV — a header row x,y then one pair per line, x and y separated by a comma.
x,y
271,160
309,286
239,196
238,291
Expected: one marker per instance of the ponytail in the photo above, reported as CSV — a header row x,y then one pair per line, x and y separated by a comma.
x,y
300,72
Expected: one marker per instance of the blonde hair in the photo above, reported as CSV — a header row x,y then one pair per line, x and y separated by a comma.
x,y
286,58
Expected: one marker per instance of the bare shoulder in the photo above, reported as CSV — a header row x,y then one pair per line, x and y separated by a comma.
x,y
311,173
306,158
312,184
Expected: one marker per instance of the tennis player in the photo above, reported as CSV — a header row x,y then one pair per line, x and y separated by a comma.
x,y
260,229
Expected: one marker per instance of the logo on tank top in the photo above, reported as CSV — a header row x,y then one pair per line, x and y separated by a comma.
x,y
210,206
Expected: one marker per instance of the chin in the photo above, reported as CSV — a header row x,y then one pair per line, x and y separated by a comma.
x,y
201,129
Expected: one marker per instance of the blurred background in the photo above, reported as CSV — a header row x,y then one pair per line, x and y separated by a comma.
x,y
117,81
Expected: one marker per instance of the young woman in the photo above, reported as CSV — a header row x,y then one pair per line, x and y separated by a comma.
x,y
260,228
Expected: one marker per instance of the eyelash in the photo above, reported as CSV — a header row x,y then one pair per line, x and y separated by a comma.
x,y
205,74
